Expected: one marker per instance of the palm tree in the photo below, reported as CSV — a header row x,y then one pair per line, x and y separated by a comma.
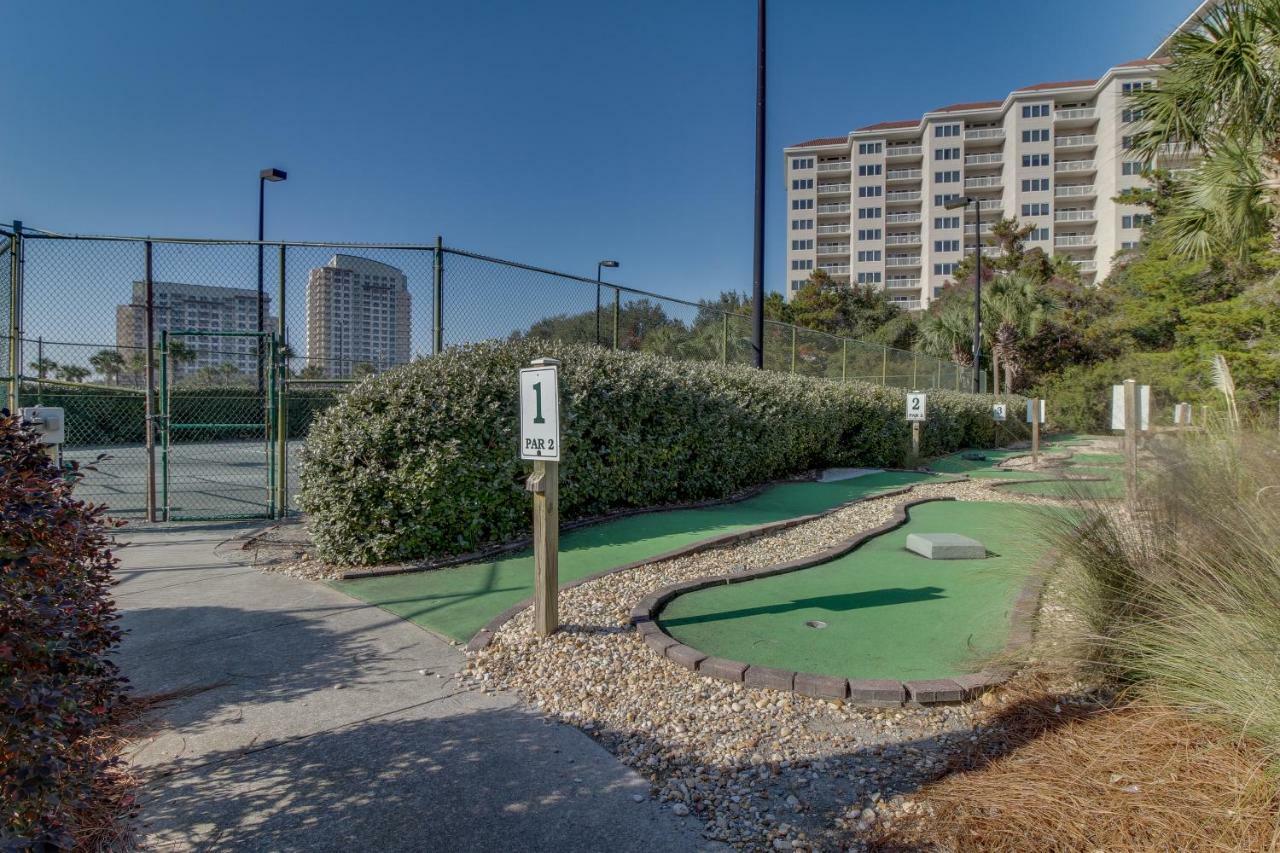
x,y
948,331
1013,308
1219,94
43,367
72,373
180,353
109,364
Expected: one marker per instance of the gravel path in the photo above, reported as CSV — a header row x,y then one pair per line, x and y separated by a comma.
x,y
760,769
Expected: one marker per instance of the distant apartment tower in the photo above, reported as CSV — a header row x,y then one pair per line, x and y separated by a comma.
x,y
196,307
357,315
869,207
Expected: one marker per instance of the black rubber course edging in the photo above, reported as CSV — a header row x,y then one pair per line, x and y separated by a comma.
x,y
875,692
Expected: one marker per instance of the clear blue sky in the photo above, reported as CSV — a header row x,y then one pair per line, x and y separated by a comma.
x,y
556,133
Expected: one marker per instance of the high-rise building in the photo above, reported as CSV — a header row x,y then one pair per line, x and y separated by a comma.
x,y
869,207
357,316
196,307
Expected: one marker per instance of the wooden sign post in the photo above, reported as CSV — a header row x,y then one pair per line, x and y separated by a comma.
x,y
916,407
540,442
1035,417
1131,441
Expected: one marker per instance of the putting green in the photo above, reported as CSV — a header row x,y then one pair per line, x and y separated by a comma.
x,y
459,600
888,612
1082,489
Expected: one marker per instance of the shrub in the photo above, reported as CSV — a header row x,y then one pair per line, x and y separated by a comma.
x,y
422,461
57,625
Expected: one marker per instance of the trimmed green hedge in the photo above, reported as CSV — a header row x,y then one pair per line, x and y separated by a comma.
x,y
422,461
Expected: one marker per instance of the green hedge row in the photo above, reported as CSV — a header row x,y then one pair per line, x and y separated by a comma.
x,y
98,415
422,461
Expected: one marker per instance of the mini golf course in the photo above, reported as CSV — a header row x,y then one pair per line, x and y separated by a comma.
x,y
879,612
458,601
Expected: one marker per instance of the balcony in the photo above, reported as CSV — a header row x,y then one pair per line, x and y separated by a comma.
x,y
987,183
901,282
1075,241
838,167
833,248
908,304
1076,115
902,240
1081,140
839,207
903,174
986,229
834,269
1075,216
1077,166
830,189
842,228
902,218
988,204
1087,266
902,195
984,133
995,158
987,251
892,151
1075,191
1178,151
902,260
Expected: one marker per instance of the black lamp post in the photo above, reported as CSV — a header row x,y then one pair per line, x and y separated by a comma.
x,y
955,204
757,260
613,265
272,175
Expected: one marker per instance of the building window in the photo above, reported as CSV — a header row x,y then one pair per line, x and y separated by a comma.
x,y
1135,86
868,256
1129,244
1137,220
1031,160
802,163
1126,143
946,154
1035,110
941,222
1130,116
868,278
946,245
1038,234
1035,185
869,213
797,283
940,200
943,131
805,264
869,169
802,204
870,192
802,184
868,233
944,269
1037,209
946,177
870,148
801,224
801,245
1132,167
1035,135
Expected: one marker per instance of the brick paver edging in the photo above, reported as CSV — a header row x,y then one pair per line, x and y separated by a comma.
x,y
485,635
861,691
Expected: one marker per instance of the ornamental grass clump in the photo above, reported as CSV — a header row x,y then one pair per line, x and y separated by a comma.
x,y
58,689
422,461
1182,595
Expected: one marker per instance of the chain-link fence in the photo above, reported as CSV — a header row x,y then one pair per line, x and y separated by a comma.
x,y
208,360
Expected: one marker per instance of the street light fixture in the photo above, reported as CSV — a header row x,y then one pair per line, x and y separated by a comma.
x,y
955,204
274,176
613,265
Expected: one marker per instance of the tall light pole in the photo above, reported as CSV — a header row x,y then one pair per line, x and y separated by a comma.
x,y
757,281
599,266
955,204
272,175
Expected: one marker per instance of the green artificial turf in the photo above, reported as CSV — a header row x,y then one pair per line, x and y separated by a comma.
x,y
1082,489
888,612
458,601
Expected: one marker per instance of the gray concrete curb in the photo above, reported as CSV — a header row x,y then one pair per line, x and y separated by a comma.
x,y
871,692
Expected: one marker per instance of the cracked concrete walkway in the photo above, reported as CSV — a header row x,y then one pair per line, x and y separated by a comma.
x,y
306,723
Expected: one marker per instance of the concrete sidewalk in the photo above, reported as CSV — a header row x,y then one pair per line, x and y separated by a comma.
x,y
309,725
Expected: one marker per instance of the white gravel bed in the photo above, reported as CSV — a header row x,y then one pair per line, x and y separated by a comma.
x,y
760,769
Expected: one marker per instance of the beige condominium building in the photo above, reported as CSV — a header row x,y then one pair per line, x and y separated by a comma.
x,y
869,207
357,316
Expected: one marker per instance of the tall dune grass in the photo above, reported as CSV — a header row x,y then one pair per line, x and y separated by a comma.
x,y
1181,596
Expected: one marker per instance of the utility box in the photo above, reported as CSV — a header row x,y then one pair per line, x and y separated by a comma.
x,y
47,421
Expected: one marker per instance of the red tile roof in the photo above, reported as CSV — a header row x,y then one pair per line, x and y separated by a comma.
x,y
889,125
972,105
823,140
1136,63
1060,84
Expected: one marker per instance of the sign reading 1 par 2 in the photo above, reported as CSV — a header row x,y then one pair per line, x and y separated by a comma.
x,y
540,414
915,406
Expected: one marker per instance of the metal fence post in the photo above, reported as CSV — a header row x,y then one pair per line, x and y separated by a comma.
x,y
282,407
844,359
617,311
724,338
149,315
437,341
915,362
884,367
937,381
164,421
793,349
269,417
15,317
